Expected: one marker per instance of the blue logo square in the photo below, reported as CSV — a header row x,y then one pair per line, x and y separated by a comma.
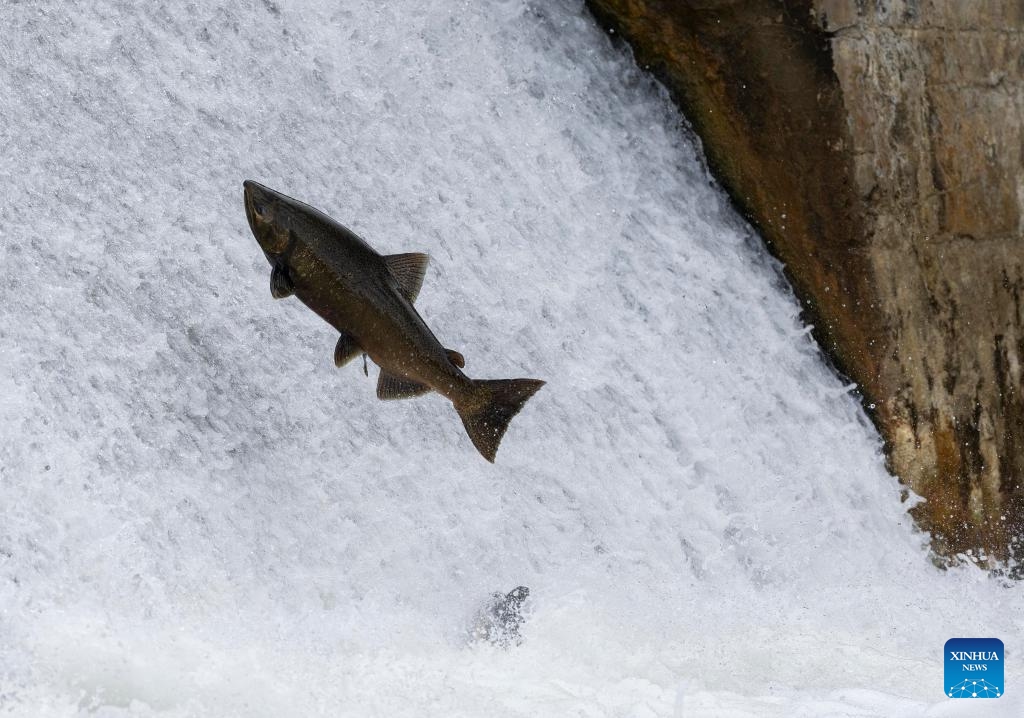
x,y
974,668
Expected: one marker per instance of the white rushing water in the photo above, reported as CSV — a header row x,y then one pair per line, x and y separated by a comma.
x,y
201,516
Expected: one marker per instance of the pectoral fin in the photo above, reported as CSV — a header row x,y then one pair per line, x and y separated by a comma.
x,y
280,283
390,386
408,269
346,350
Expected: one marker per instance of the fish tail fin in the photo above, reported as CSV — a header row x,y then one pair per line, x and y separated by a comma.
x,y
495,402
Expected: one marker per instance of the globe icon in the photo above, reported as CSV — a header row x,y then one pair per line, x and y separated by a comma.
x,y
974,688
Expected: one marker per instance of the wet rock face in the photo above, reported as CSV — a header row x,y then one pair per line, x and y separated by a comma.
x,y
934,93
879,147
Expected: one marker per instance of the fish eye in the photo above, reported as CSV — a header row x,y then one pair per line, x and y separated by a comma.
x,y
259,208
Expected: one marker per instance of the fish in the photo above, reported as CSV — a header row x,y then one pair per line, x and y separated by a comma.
x,y
500,619
368,298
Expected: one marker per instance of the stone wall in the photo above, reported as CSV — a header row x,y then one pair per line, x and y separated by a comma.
x,y
878,147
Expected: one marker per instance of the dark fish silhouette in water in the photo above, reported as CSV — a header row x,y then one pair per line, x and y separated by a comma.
x,y
368,298
499,620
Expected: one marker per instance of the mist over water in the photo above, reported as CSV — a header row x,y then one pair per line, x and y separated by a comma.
x,y
200,515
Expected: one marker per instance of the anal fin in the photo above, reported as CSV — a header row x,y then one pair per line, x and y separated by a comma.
x,y
346,349
391,386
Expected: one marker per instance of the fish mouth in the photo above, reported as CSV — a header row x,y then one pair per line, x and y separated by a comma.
x,y
252,191
247,200
262,215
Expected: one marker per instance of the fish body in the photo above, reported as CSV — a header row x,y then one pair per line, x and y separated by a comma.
x,y
368,298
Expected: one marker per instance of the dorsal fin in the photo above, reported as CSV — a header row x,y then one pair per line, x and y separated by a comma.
x,y
408,269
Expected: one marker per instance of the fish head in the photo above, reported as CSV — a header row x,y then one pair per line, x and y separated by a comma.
x,y
270,217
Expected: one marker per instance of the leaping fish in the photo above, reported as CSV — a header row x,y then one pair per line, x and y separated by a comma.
x,y
368,298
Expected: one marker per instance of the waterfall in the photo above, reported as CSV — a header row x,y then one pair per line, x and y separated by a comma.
x,y
201,515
